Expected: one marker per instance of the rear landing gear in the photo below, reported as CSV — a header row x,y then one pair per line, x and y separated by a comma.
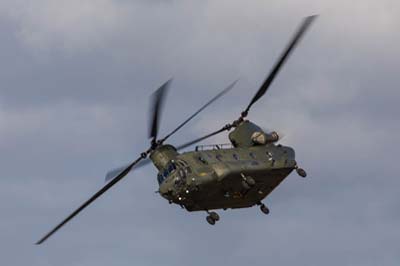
x,y
301,172
264,209
212,218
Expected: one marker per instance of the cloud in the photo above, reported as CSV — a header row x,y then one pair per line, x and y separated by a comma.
x,y
67,25
75,81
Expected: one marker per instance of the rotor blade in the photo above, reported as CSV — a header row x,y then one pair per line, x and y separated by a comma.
x,y
227,127
157,103
113,173
201,109
278,65
93,198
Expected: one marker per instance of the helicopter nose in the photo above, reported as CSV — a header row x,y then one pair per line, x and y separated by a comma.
x,y
164,189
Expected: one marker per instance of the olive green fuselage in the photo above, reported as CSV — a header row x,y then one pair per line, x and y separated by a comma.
x,y
213,179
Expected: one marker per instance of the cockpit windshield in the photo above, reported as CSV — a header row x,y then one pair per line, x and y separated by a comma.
x,y
163,174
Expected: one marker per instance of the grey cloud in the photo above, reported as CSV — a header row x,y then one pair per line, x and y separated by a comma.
x,y
74,104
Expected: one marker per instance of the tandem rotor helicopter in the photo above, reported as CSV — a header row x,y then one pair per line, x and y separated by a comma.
x,y
228,176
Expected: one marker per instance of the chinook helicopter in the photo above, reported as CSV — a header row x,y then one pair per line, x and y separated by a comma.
x,y
228,176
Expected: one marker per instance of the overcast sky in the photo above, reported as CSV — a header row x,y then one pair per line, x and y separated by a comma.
x,y
76,76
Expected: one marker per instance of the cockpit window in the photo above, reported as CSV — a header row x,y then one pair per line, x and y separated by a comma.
x,y
160,178
183,165
171,167
188,170
182,173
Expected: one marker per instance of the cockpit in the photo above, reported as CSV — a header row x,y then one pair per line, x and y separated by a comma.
x,y
179,167
164,174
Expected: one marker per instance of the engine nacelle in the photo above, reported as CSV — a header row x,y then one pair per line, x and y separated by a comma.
x,y
247,134
262,138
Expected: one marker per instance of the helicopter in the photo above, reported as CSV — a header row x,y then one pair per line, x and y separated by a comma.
x,y
222,176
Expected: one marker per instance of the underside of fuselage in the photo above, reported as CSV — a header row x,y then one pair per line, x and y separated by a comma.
x,y
232,194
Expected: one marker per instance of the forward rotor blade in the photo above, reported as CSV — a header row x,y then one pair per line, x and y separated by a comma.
x,y
113,173
157,103
93,198
201,109
227,127
285,55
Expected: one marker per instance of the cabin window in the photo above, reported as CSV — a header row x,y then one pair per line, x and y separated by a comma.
x,y
235,156
252,155
201,159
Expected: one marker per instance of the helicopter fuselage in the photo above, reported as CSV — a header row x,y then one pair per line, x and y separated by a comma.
x,y
223,178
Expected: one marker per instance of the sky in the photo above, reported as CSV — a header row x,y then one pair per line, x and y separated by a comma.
x,y
76,77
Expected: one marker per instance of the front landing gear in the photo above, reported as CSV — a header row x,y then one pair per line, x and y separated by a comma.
x,y
212,218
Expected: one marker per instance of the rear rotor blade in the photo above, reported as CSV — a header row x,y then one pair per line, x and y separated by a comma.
x,y
201,109
227,127
278,65
157,103
89,201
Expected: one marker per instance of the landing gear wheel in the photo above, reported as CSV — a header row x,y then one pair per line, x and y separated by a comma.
x,y
301,172
214,216
210,220
264,209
